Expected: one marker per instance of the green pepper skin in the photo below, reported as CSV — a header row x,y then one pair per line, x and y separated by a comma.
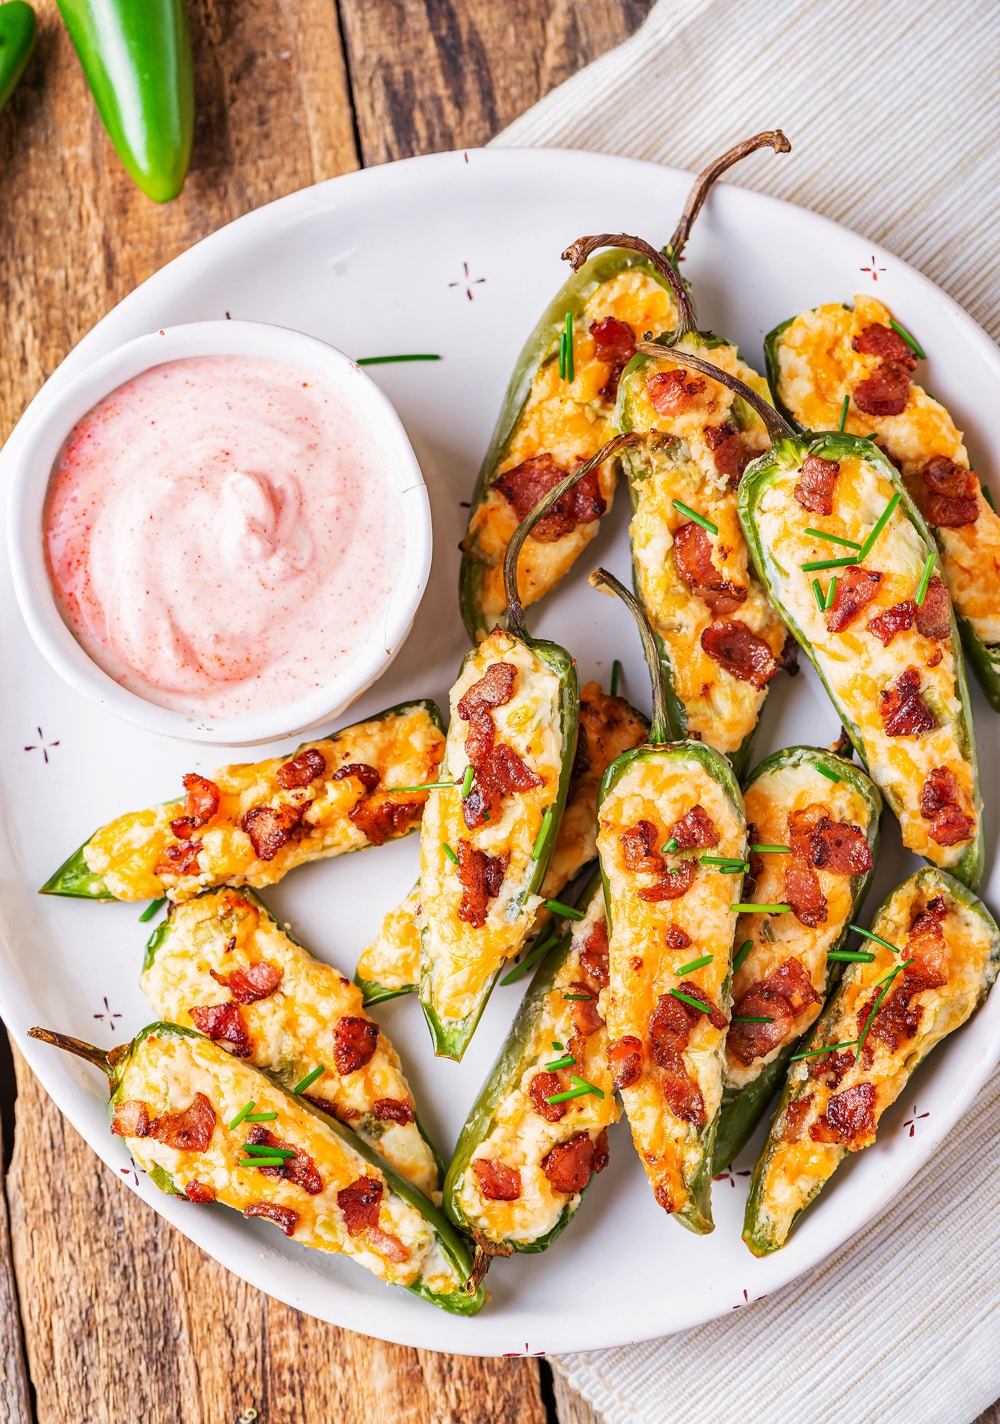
x,y
18,31
742,1108
772,368
136,55
789,453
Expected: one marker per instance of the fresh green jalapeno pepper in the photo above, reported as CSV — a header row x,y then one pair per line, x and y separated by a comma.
x,y
254,822
210,1127
136,55
835,366
18,31
489,828
558,412
812,828
932,964
672,842
848,561
538,1130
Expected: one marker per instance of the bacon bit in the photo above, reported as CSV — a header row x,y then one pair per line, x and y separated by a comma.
x,y
369,776
803,893
494,689
389,1245
392,1110
304,768
569,1165
481,736
883,342
945,513
131,1119
899,1018
180,859
840,848
855,589
802,826
831,1068
904,712
502,771
671,392
885,391
683,1097
941,803
731,456
601,1154
849,1119
201,802
624,1057
354,1042
381,821
814,490
481,877
693,562
187,1131
670,1028
739,651
795,1116
582,759
664,1197
223,1023
586,1018
694,830
951,501
525,485
677,938
199,1192
639,848
594,955
782,996
894,620
542,1086
250,984
300,1169
359,1204
934,614
614,344
286,1219
270,827
755,861
672,885
497,1181
715,1015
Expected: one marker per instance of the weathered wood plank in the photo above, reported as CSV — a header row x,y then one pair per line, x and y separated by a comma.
x,y
428,75
15,1403
571,1408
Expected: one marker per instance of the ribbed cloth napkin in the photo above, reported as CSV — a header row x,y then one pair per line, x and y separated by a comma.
x,y
893,111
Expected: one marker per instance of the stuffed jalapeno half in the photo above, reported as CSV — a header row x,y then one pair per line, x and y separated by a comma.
x,y
837,367
672,843
390,964
812,833
939,958
557,413
847,560
538,1131
250,824
211,1127
222,964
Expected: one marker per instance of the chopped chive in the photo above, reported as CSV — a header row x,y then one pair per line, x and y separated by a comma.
x,y
722,860
698,518
244,1112
830,592
818,595
760,909
843,414
771,849
310,1078
562,355
741,869
262,1161
878,526
261,1117
742,953
834,538
670,846
566,1061
827,771
427,786
539,952
616,677
556,907
559,1047
887,980
449,853
579,1089
578,996
695,964
384,360
153,908
925,579
264,1149
543,835
867,934
750,1018
467,779
917,351
811,1052
570,372
817,565
852,956
689,999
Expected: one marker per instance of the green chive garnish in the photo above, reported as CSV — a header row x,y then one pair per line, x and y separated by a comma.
x,y
264,1149
385,360
742,953
830,592
827,771
887,980
925,579
310,1078
244,1112
879,525
750,1018
261,1117
834,538
556,907
616,677
852,956
688,999
843,414
695,964
559,1047
562,355
698,518
917,351
566,350
817,565
427,786
811,1052
467,779
818,595
867,934
579,1089
760,909
734,860
543,835
578,996
740,869
153,908
262,1161
449,853
670,846
539,952
771,850
566,1061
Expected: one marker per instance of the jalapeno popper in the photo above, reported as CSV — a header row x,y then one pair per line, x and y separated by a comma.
x,y
488,831
390,964
558,413
209,1127
672,842
538,1131
223,964
812,832
250,824
847,560
834,367
932,965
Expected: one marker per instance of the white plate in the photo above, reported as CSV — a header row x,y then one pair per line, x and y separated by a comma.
x,y
458,253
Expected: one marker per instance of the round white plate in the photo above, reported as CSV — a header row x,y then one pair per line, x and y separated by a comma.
x,y
457,254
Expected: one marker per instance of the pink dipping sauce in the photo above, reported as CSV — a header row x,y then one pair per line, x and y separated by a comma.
x,y
221,536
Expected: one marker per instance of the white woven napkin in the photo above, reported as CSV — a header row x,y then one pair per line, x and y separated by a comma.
x,y
892,108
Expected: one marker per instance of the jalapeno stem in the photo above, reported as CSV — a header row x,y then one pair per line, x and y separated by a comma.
x,y
515,611
772,138
777,427
659,731
98,1056
578,252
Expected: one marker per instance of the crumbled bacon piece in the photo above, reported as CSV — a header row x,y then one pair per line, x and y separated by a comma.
x,y
731,456
670,1028
739,651
803,893
693,562
849,1119
380,821
855,590
392,1110
781,997
795,1116
672,884
502,772
601,1155
683,1096
639,848
542,1086
480,876
369,776
286,1219
199,1192
677,938
131,1119
840,848
614,344
201,801
672,392
894,620
300,1169
494,689
252,982
354,1042
189,1130
904,712
624,1057
942,803
526,485
814,488
694,829
389,1245
180,859
934,614
831,1068
497,1181
481,736
883,342
586,1018
952,490
594,955
569,1165
270,827
302,769
945,513
223,1023
359,1204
